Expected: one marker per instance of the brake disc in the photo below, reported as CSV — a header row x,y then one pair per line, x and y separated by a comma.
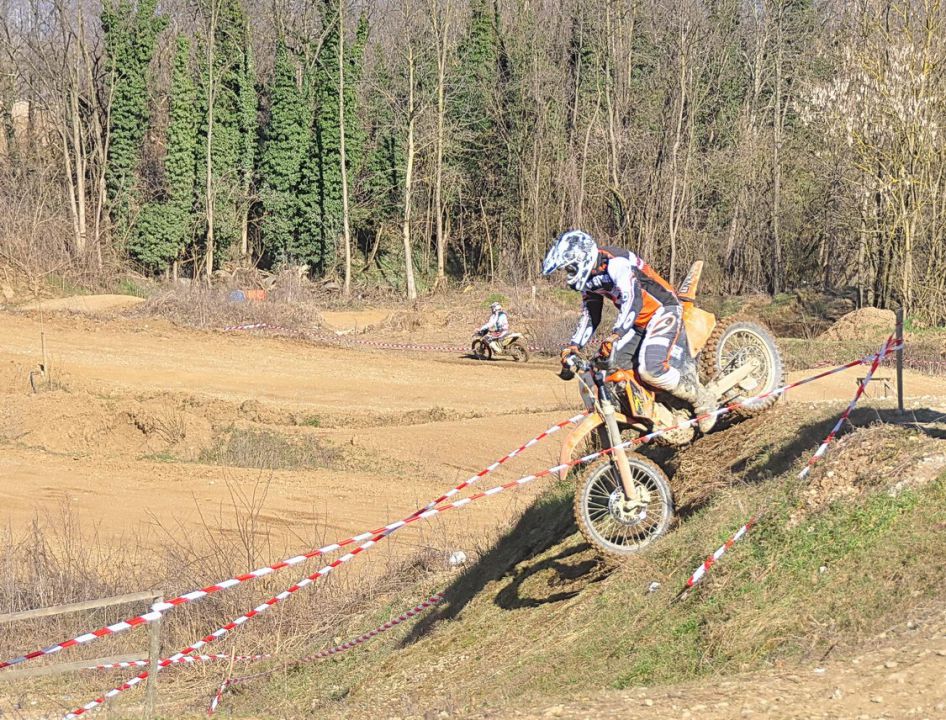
x,y
629,512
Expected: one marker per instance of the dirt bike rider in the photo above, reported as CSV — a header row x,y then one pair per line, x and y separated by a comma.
x,y
497,327
649,322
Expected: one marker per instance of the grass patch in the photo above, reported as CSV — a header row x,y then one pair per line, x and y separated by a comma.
x,y
161,457
789,593
127,286
312,421
266,450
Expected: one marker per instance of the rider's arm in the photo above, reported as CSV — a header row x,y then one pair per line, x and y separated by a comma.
x,y
590,319
628,290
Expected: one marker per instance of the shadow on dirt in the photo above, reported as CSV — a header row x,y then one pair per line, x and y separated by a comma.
x,y
554,579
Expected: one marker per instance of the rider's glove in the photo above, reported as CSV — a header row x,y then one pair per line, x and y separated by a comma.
x,y
607,345
567,352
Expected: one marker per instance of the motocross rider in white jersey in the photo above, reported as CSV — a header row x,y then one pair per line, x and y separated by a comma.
x,y
497,327
649,325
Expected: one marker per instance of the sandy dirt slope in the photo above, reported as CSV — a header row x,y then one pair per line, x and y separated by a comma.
x,y
85,303
126,357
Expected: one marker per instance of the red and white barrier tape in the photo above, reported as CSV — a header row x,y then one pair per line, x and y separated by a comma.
x,y
347,340
158,609
232,625
189,660
823,448
355,642
701,571
439,509
714,558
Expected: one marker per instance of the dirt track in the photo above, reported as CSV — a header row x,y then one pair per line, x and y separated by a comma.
x,y
408,425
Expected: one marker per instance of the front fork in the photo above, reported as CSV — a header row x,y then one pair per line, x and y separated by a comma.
x,y
614,436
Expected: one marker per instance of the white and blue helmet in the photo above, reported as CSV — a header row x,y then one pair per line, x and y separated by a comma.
x,y
574,252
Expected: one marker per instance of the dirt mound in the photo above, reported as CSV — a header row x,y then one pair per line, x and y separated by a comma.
x,y
865,324
870,459
83,424
86,303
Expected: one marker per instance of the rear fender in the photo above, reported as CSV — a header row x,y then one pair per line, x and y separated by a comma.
x,y
582,432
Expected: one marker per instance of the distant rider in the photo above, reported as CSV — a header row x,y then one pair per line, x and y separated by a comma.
x,y
496,328
649,322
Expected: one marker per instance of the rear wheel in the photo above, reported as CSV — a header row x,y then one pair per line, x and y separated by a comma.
x,y
733,343
481,349
518,351
618,525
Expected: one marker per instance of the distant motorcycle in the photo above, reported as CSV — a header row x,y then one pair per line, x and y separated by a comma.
x,y
514,345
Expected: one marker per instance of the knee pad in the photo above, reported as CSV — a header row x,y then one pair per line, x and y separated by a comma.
x,y
664,379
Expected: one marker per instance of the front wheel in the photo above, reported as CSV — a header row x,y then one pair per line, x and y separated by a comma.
x,y
618,525
481,349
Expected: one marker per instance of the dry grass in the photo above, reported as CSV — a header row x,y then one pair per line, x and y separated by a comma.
x,y
60,561
210,307
268,450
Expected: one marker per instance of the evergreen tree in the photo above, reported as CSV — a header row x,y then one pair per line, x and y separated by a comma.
x,y
182,141
164,226
285,142
130,33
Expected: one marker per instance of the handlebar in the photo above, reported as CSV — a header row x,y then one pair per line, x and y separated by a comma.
x,y
575,364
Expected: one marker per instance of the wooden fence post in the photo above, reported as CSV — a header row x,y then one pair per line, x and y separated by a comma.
x,y
154,656
899,338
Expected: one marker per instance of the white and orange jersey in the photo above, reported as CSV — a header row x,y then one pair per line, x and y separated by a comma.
x,y
631,284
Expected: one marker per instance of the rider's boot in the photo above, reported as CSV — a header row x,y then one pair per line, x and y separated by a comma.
x,y
691,390
494,346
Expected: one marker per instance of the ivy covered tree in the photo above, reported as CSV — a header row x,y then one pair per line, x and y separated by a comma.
x,y
321,200
164,225
285,143
229,128
130,31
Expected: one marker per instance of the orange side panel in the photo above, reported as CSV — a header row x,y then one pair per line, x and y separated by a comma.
x,y
699,325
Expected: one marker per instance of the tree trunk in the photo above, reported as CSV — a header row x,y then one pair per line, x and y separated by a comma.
x,y
209,186
438,173
346,228
78,147
408,178
778,264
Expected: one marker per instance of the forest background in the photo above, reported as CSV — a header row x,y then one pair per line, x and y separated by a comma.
x,y
413,143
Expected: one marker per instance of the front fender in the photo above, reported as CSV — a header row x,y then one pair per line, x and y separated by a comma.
x,y
578,436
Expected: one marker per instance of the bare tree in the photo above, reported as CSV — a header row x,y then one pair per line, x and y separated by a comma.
x,y
409,176
346,227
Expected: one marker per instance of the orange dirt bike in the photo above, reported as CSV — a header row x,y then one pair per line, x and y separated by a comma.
x,y
623,501
514,345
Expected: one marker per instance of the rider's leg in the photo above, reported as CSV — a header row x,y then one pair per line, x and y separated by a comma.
x,y
496,343
665,363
